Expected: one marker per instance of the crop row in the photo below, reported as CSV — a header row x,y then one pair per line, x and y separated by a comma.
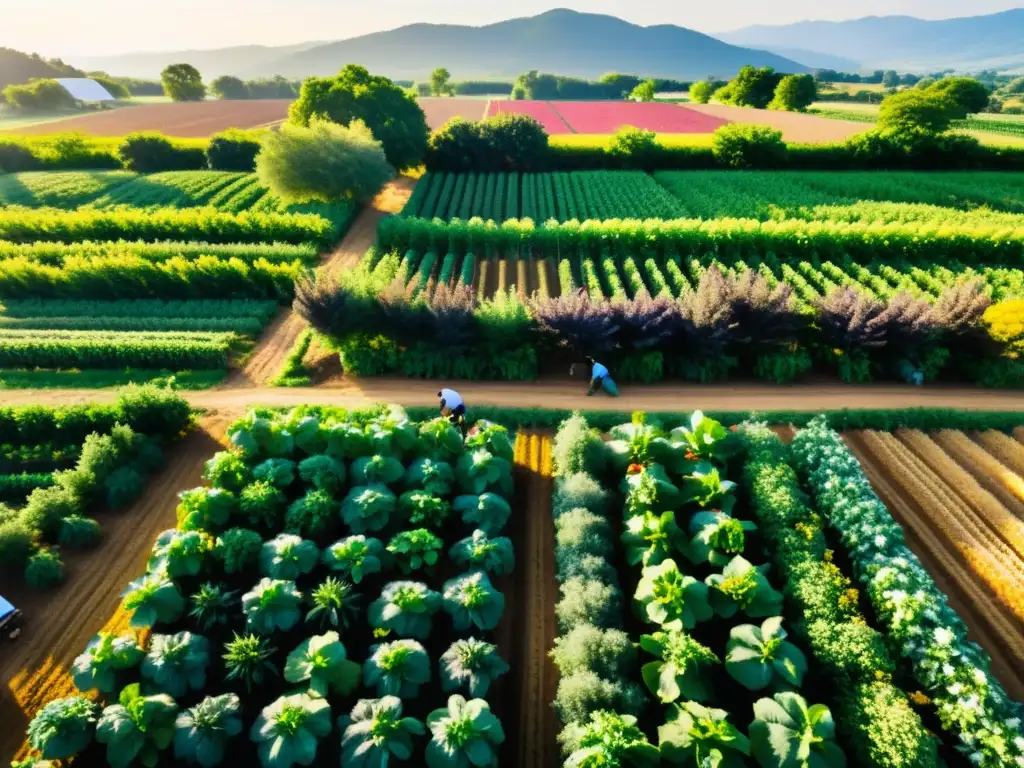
x,y
1005,127
541,196
27,225
88,349
54,254
682,550
338,560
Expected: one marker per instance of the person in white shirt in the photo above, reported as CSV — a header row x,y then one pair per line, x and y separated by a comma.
x,y
453,406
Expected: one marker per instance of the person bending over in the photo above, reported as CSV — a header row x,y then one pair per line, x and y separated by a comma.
x,y
453,406
599,378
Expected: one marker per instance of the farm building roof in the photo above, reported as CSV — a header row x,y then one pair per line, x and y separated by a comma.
x,y
85,89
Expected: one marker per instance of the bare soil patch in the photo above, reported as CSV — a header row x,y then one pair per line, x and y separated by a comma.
x,y
795,126
59,624
440,110
184,120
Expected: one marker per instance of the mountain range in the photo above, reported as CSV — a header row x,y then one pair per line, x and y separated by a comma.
x,y
903,43
560,41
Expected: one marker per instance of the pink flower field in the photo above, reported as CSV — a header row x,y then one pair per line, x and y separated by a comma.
x,y
605,117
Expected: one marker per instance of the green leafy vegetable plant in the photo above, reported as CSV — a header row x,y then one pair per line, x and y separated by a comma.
x,y
375,731
787,732
201,733
212,606
489,512
705,438
471,663
464,734
176,663
287,731
205,509
323,661
705,487
406,608
697,735
104,657
743,586
716,537
481,471
651,538
607,739
416,549
153,599
434,477
137,728
228,470
333,603
323,472
481,552
287,557
368,508
179,553
397,668
271,605
682,669
63,728
355,557
671,599
757,657
377,470
471,600
424,509
247,658
280,473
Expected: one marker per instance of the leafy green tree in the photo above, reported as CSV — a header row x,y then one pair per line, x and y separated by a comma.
x,y
751,87
701,92
645,91
440,82
924,83
915,112
323,161
391,114
40,95
891,78
966,95
228,87
795,93
740,146
182,82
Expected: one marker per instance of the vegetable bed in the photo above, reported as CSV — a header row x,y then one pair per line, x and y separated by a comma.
x,y
333,597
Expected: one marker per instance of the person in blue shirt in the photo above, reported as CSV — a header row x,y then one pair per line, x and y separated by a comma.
x,y
598,373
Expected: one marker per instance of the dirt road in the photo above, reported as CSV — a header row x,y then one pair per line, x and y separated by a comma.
x,y
279,337
795,126
556,393
60,623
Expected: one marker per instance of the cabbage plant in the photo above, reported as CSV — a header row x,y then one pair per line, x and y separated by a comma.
x,y
323,661
323,472
247,659
179,553
377,470
355,557
487,511
205,509
649,489
311,514
787,732
63,727
261,504
608,739
670,598
439,439
227,470
756,657
201,733
481,552
153,599
472,600
697,735
435,477
212,606
392,434
473,664
651,538
406,608
682,669
493,437
257,436
287,557
288,730
423,509
280,473
717,537
375,731
481,471
137,728
176,663
105,656
368,508
416,549
705,438
397,668
743,586
272,604
333,603
464,734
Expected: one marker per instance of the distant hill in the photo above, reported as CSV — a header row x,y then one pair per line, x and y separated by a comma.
x,y
560,41
903,43
17,68
211,63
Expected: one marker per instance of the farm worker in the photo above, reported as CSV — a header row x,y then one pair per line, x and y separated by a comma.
x,y
599,378
453,406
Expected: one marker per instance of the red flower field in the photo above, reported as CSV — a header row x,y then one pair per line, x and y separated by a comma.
x,y
600,117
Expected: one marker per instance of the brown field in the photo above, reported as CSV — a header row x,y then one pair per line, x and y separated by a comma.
x,y
440,110
960,499
795,127
187,121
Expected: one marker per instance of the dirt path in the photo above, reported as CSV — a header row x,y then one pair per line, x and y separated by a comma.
x,y
795,126
559,393
279,337
59,624
534,728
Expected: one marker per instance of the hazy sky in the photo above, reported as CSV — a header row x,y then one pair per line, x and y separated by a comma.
x,y
98,27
